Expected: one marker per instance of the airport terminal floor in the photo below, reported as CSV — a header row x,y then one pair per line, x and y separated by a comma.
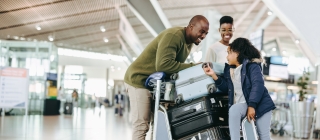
x,y
84,124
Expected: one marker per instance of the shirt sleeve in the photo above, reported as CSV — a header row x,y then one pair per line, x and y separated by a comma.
x,y
167,53
210,55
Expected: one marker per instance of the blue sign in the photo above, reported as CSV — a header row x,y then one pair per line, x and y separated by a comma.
x,y
52,76
278,60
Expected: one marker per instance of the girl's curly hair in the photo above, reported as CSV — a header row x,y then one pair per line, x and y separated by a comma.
x,y
245,49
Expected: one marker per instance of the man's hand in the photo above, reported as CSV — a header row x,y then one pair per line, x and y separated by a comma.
x,y
198,63
251,113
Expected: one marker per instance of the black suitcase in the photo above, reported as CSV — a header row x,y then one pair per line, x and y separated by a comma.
x,y
189,109
198,114
218,104
197,123
68,108
214,133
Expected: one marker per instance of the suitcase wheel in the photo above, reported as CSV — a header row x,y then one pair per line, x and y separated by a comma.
x,y
179,99
174,76
211,88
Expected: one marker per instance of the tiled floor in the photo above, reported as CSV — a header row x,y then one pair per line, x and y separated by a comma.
x,y
85,124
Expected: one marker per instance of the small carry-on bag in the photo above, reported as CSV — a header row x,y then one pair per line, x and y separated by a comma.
x,y
68,108
192,83
249,131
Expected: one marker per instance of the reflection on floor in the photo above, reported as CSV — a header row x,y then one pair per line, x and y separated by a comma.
x,y
84,124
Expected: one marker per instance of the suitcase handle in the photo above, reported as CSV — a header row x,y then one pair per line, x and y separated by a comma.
x,y
185,113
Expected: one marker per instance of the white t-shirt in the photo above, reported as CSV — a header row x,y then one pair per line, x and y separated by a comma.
x,y
217,53
237,86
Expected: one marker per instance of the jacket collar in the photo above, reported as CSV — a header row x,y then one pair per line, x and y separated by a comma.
x,y
244,67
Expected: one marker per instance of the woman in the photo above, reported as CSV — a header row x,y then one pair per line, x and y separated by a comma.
x,y
218,51
243,81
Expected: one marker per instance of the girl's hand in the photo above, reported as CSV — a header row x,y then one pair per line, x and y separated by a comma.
x,y
207,70
251,113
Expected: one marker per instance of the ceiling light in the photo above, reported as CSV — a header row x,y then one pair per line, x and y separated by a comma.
x,y
297,41
105,39
102,29
15,37
263,53
112,67
119,68
22,38
274,49
38,27
270,13
314,82
51,38
284,52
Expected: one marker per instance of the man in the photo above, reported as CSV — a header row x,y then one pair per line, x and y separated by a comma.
x,y
118,99
166,53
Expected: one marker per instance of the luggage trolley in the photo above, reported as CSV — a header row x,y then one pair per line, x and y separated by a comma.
x,y
157,85
280,119
161,126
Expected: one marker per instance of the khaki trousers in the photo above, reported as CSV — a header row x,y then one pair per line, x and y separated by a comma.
x,y
140,111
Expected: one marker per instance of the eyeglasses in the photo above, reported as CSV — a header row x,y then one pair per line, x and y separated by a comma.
x,y
225,31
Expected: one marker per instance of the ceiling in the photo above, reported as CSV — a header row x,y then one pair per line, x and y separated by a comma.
x,y
76,24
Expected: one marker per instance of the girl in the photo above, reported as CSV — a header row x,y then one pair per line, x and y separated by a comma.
x,y
218,51
244,83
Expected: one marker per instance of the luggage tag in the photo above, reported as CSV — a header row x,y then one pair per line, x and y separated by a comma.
x,y
213,100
